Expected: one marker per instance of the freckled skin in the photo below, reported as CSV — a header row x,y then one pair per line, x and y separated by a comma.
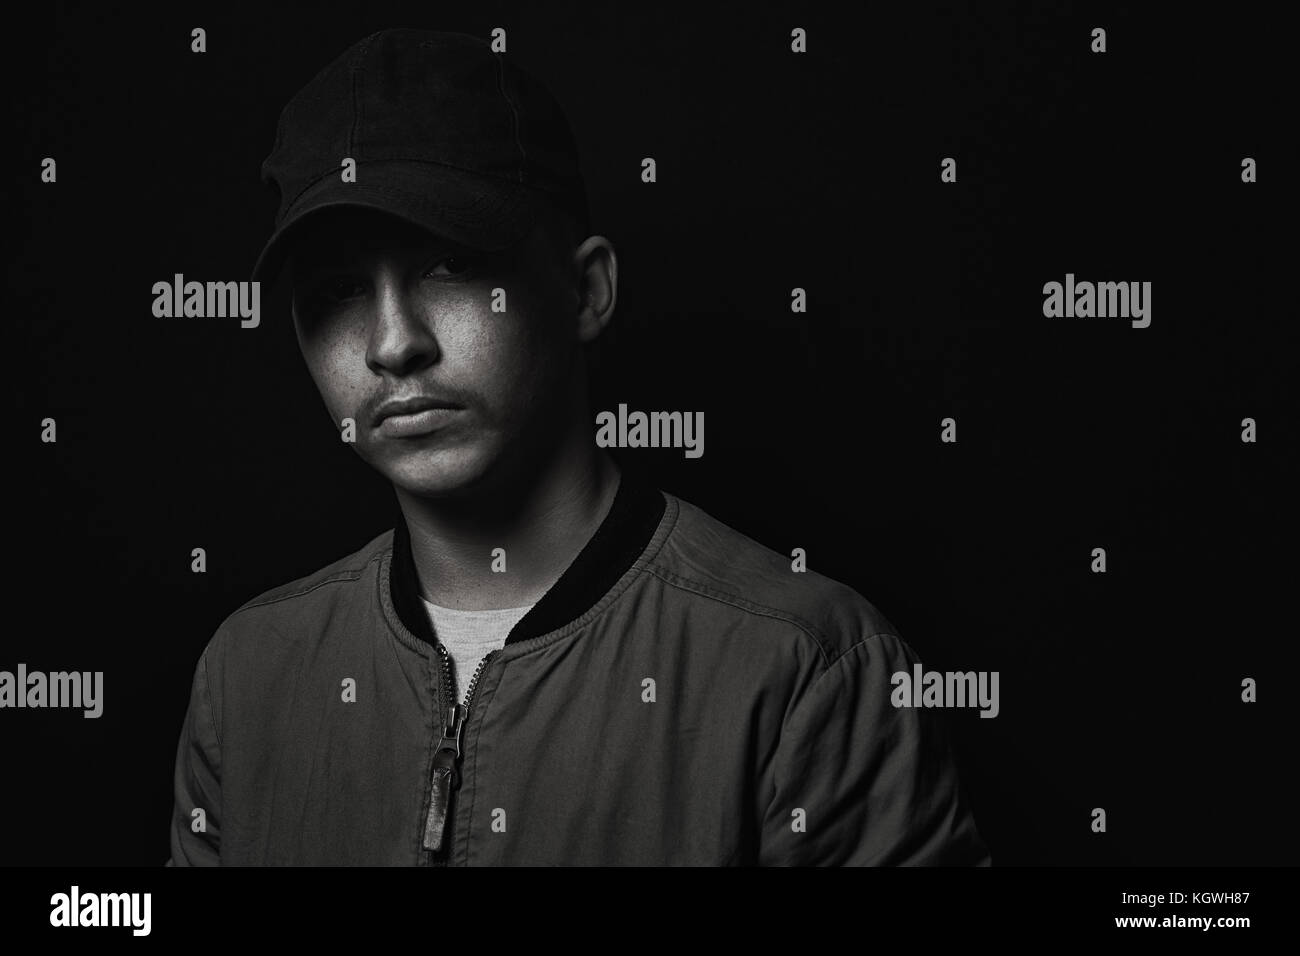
x,y
381,311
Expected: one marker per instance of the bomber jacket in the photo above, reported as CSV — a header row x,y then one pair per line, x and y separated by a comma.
x,y
680,696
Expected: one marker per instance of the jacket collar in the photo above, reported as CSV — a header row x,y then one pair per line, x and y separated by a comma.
x,y
625,533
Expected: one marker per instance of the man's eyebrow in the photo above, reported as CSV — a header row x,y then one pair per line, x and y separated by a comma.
x,y
301,269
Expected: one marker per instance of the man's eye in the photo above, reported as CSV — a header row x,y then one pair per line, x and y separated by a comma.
x,y
452,267
339,289
336,290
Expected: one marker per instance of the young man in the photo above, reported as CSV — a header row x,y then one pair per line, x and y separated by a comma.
x,y
547,661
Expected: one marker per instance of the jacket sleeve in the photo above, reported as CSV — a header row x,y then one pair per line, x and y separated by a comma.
x,y
196,838
859,782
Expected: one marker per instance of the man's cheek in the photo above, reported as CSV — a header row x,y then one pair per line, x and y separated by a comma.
x,y
332,369
341,405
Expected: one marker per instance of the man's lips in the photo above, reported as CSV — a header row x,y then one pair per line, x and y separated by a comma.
x,y
418,415
410,406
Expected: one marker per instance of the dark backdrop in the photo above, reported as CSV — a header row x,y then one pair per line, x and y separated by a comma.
x,y
775,170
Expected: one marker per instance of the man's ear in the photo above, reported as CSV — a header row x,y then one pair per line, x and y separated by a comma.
x,y
597,266
295,323
293,317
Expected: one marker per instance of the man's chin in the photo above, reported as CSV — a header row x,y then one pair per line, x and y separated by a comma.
x,y
442,474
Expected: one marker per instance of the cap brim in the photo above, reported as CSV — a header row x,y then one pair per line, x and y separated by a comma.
x,y
475,211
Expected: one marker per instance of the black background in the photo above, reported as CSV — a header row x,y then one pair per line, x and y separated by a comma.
x,y
775,170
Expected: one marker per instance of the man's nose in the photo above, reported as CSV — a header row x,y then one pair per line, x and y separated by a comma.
x,y
401,339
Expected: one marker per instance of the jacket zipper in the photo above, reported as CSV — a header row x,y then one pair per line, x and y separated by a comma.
x,y
446,760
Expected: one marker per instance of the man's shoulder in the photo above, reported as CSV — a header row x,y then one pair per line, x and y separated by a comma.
x,y
299,604
715,561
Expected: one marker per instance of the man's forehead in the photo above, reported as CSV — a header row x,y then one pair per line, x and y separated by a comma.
x,y
336,236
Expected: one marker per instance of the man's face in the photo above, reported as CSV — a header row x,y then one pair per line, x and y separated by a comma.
x,y
385,311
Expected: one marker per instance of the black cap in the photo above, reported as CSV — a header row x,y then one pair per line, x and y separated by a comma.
x,y
445,133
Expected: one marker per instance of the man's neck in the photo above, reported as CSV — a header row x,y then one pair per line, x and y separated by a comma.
x,y
541,523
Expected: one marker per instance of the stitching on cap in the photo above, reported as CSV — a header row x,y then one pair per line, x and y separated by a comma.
x,y
407,159
356,107
514,114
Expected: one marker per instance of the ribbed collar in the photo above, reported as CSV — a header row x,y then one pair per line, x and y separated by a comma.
x,y
625,533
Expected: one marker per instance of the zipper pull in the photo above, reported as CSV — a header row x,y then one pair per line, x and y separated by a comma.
x,y
446,778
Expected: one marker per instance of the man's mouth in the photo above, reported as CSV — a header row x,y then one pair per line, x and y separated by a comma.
x,y
417,415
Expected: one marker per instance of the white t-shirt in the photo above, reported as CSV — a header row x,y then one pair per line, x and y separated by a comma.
x,y
470,636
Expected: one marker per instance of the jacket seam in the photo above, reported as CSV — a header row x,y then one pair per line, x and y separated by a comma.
x,y
207,682
594,613
473,800
614,594
422,855
396,626
875,635
350,574
797,703
688,584
809,692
